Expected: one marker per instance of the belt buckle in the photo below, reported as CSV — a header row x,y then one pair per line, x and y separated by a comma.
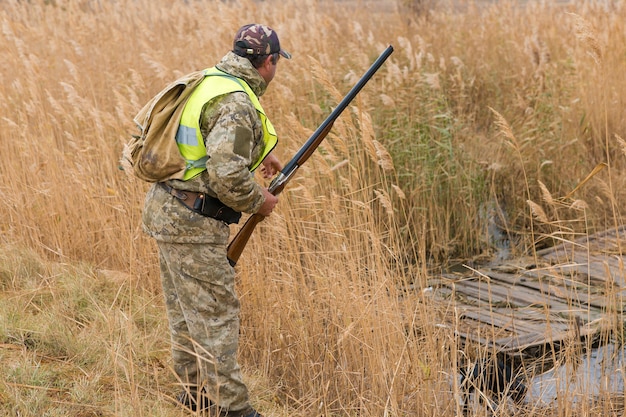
x,y
181,195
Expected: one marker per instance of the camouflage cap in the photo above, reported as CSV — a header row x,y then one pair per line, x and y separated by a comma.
x,y
254,39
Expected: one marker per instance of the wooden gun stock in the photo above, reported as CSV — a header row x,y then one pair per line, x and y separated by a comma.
x,y
239,242
237,245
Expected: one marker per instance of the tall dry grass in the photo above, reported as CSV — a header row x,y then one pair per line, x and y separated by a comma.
x,y
334,319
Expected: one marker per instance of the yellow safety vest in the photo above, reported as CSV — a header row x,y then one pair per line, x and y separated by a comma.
x,y
189,138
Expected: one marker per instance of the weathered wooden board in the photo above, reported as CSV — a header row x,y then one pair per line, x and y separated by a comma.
x,y
516,332
511,309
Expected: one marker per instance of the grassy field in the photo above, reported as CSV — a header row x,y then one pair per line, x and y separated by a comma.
x,y
486,112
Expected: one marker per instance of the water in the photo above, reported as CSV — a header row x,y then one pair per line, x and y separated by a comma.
x,y
596,375
599,372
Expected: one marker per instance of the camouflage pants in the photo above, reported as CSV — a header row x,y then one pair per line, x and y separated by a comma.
x,y
203,313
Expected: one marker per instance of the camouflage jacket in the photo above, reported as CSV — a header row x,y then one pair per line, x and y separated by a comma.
x,y
233,137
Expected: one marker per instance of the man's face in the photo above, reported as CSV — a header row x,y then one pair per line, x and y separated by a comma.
x,y
268,69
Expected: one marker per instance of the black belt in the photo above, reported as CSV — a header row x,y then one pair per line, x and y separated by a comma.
x,y
204,204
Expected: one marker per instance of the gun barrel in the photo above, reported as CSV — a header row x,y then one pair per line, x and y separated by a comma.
x,y
301,156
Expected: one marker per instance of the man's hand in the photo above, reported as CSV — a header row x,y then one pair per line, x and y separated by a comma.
x,y
268,205
270,166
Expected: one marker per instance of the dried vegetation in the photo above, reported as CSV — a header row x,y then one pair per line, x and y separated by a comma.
x,y
482,104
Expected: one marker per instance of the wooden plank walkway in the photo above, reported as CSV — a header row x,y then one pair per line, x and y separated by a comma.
x,y
566,292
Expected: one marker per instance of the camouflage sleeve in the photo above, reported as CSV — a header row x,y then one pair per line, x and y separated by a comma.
x,y
232,131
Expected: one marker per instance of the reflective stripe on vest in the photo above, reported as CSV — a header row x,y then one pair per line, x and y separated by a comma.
x,y
189,138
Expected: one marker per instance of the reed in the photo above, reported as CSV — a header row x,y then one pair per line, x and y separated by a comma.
x,y
482,104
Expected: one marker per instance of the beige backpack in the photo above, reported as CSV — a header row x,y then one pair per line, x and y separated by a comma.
x,y
153,154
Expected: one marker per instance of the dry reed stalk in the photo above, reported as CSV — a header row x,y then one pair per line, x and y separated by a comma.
x,y
538,212
587,35
322,77
505,129
622,143
547,197
383,157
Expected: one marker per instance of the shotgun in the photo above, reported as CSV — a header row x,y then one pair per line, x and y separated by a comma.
x,y
236,246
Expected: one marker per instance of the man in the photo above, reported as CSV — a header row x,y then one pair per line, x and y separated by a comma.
x,y
223,136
